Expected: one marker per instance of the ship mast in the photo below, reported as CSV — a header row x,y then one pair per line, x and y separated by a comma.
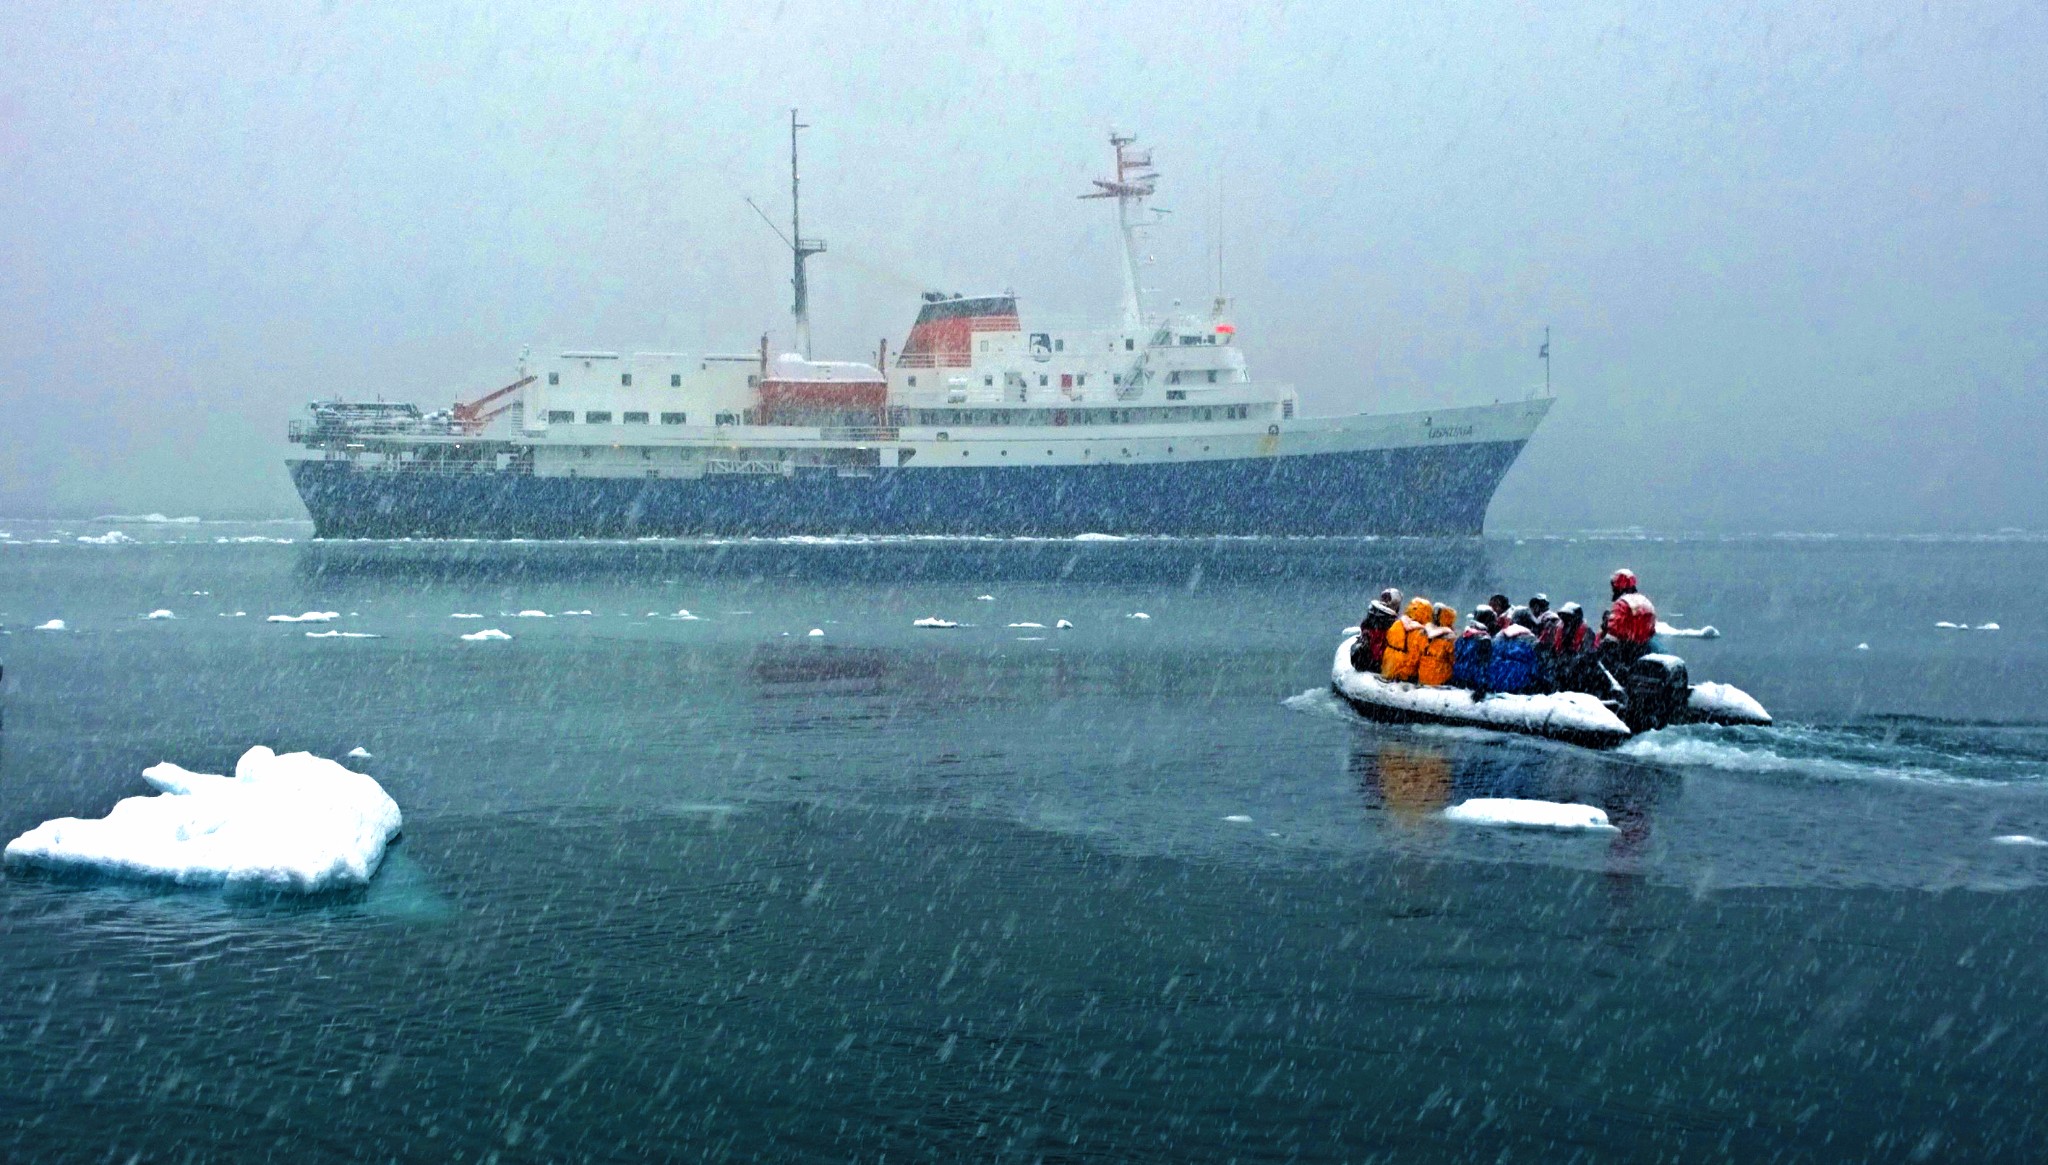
x,y
1134,182
800,248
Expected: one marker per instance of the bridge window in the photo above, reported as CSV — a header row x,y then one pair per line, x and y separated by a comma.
x,y
675,380
626,379
561,416
1212,376
1177,394
728,418
554,378
1041,380
1129,343
1081,381
913,382
1059,345
987,381
674,419
597,417
633,418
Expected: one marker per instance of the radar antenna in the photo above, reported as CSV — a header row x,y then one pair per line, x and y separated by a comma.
x,y
1134,182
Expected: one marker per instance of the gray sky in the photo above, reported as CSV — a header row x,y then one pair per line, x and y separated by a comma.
x,y
1793,254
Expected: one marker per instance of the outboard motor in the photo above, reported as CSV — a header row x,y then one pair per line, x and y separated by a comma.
x,y
1658,689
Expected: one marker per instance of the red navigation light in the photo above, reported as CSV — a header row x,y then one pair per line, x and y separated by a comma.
x,y
1226,329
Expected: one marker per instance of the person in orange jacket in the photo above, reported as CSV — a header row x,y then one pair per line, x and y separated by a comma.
x,y
1628,626
1442,637
1405,641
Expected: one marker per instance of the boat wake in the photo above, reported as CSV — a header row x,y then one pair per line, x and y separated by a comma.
x,y
1833,754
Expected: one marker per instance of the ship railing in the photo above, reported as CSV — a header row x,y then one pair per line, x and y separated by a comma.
x,y
859,433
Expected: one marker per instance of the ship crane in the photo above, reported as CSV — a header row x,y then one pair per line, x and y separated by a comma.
x,y
472,415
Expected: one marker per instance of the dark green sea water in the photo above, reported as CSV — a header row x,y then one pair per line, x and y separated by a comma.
x,y
713,888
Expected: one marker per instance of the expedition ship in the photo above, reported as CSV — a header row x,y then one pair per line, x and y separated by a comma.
x,y
977,426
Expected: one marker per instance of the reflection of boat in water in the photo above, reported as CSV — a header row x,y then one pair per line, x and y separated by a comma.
x,y
1659,695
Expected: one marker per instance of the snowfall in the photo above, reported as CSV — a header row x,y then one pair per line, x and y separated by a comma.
x,y
295,822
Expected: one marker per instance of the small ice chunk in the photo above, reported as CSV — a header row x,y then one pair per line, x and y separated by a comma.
x,y
1092,537
2025,839
933,621
110,538
1863,647
1063,625
486,633
207,593
359,752
583,612
984,598
1037,626
684,613
1945,625
1516,812
1987,626
1137,615
160,613
52,625
815,633
531,614
293,822
342,635
307,617
465,615
1238,817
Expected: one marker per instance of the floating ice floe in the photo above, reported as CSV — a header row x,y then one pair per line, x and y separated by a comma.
x,y
531,614
251,539
584,612
815,633
234,614
1098,538
1516,812
1863,647
984,598
359,753
160,613
110,538
1986,627
207,593
293,822
1238,817
486,633
52,625
1031,639
152,518
1137,615
933,622
2021,839
684,613
342,635
1945,625
1670,632
1063,625
1035,626
306,617
465,615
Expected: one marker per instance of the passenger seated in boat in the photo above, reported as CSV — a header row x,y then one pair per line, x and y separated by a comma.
x,y
1628,626
1474,650
1512,667
1565,649
1372,631
1405,640
1438,649
1503,611
1531,616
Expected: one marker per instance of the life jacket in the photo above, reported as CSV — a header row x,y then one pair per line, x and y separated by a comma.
x,y
1372,637
1513,666
1558,640
1470,656
1405,640
1437,650
1632,619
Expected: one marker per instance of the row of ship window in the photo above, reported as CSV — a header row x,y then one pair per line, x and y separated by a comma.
x,y
1148,416
604,417
1080,379
675,380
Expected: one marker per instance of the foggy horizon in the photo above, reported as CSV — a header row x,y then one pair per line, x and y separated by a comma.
x,y
1791,257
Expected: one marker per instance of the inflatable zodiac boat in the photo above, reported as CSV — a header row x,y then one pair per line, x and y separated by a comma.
x,y
1658,694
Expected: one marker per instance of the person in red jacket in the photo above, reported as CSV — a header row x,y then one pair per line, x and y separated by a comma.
x,y
1628,626
1371,647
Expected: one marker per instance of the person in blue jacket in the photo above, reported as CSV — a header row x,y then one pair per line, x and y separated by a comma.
x,y
1513,666
1474,650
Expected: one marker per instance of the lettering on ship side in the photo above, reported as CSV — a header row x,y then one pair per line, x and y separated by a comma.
x,y
1437,434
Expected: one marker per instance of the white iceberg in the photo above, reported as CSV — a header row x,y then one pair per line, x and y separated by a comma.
x,y
815,633
1987,627
531,614
465,615
1063,625
1238,817
160,613
1092,537
1863,647
341,635
984,598
1516,812
293,822
52,625
1670,632
307,617
2023,839
1137,615
359,752
583,612
486,633
684,613
1035,626
933,622
110,538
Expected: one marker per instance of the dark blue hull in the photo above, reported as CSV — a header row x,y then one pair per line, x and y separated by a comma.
x,y
1440,489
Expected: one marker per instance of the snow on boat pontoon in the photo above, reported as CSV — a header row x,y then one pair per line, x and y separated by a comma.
x,y
1573,717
